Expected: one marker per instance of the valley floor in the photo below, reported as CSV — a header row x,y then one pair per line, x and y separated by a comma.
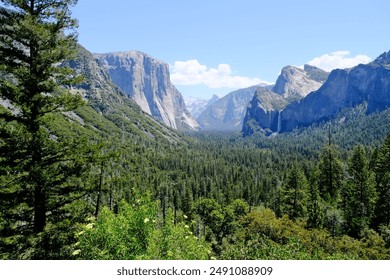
x,y
317,193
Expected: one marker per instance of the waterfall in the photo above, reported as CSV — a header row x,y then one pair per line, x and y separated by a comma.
x,y
279,121
269,113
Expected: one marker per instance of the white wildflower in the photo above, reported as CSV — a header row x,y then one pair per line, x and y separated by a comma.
x,y
89,226
76,252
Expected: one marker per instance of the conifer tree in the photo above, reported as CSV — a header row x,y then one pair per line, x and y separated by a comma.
x,y
382,171
362,194
39,170
294,193
330,174
314,207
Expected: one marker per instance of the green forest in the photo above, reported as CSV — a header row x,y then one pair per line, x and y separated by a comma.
x,y
118,185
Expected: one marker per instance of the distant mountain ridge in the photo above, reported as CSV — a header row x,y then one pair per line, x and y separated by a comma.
x,y
196,105
344,88
293,83
227,113
147,81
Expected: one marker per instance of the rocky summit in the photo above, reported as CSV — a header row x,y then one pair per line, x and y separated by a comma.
x,y
293,84
147,81
344,88
227,113
196,105
367,84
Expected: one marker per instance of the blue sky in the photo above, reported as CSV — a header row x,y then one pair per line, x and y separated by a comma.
x,y
214,47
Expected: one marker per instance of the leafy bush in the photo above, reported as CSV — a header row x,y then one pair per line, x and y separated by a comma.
x,y
264,236
118,236
137,231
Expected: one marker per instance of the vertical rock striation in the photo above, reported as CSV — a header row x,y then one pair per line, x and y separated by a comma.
x,y
147,81
264,111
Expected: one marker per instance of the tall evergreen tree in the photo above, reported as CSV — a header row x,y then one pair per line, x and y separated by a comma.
x,y
362,194
315,209
39,170
294,193
330,174
382,171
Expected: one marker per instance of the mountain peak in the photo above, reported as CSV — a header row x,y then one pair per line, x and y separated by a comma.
x,y
213,99
129,57
226,113
123,54
383,59
264,112
315,73
294,83
291,68
344,88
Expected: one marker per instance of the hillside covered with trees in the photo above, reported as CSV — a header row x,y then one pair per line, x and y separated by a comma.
x,y
84,174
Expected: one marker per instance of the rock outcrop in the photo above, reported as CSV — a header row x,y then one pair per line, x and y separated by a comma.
x,y
262,114
227,114
196,106
109,108
147,81
293,84
344,88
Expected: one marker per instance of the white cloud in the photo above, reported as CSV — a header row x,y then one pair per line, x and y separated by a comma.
x,y
338,59
191,72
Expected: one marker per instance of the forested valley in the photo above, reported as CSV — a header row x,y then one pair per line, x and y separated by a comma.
x,y
85,174
318,193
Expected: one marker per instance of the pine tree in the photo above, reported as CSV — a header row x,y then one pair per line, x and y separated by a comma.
x,y
362,193
314,207
294,193
382,171
39,173
330,174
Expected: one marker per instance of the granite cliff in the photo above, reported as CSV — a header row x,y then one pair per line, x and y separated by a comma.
x,y
345,88
227,113
293,84
196,105
147,81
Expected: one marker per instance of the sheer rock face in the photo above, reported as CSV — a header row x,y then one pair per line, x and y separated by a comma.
x,y
227,113
295,83
262,114
344,88
264,111
112,104
147,81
